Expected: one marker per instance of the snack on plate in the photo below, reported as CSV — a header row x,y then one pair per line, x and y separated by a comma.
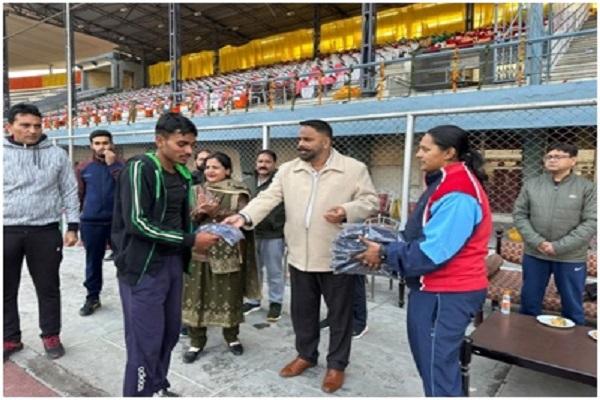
x,y
558,322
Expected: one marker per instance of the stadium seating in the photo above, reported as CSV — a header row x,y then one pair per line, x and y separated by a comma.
x,y
237,90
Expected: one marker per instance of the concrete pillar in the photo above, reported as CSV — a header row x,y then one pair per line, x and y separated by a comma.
x,y
115,80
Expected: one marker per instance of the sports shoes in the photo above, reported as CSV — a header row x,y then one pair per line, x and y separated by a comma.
x,y
274,314
165,393
358,334
89,307
110,257
53,346
248,308
11,347
324,324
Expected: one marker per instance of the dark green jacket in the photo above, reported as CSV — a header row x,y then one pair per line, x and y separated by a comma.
x,y
563,214
139,211
272,226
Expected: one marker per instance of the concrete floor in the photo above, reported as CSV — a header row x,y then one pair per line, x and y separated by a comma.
x,y
380,366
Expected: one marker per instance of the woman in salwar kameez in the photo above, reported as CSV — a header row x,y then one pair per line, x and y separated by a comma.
x,y
220,278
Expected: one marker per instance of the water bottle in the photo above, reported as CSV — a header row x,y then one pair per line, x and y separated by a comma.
x,y
505,304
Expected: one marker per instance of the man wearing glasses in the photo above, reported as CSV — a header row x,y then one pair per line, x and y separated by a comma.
x,y
556,215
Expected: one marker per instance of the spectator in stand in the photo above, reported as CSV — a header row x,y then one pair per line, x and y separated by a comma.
x,y
132,112
556,216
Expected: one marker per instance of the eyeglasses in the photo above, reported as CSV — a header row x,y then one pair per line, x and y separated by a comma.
x,y
555,157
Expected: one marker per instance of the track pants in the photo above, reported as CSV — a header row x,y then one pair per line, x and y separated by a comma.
x,y
570,282
436,328
152,315
95,237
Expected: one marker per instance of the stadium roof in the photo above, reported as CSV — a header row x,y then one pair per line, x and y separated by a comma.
x,y
141,29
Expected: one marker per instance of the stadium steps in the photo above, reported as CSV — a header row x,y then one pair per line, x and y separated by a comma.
x,y
579,62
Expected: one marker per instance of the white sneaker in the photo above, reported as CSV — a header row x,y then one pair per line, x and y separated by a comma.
x,y
358,335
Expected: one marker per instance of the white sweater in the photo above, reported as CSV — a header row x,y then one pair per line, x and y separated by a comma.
x,y
39,183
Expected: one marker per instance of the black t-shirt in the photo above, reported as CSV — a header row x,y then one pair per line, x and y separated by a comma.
x,y
176,198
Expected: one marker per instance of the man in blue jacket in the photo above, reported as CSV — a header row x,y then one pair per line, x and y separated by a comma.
x,y
96,180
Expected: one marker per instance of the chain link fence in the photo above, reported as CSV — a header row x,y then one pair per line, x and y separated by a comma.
x,y
513,141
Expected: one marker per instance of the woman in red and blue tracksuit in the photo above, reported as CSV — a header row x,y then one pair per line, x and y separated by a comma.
x,y
442,256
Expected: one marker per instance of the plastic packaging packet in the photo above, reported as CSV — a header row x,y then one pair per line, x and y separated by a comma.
x,y
230,234
348,244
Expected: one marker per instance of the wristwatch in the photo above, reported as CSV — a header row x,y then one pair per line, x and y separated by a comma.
x,y
382,253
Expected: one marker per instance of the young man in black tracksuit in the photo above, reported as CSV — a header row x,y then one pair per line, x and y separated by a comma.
x,y
152,238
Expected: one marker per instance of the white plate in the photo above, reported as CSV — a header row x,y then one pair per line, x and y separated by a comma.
x,y
593,334
549,319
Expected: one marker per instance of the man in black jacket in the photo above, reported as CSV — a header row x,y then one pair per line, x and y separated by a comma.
x,y
152,239
269,238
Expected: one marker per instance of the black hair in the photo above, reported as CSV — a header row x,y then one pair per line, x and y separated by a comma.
x,y
223,159
170,123
100,132
447,136
568,148
319,126
269,152
202,150
22,108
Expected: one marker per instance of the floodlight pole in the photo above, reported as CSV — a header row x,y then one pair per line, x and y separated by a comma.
x,y
175,52
367,51
317,31
71,100
6,83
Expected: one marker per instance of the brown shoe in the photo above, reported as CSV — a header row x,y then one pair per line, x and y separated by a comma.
x,y
334,379
295,368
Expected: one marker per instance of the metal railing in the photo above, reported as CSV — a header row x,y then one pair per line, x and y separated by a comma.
x,y
512,138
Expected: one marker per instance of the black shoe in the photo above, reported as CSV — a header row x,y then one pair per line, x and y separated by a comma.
x,y
236,348
274,314
324,324
110,257
166,393
248,308
89,307
191,355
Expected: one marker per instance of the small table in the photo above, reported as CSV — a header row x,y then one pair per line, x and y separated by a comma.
x,y
521,340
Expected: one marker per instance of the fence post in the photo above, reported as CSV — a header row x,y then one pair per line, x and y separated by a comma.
x,y
406,171
266,137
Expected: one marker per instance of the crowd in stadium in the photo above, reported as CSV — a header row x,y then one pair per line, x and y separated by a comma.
x,y
237,89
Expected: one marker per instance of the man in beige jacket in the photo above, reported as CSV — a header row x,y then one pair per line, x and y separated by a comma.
x,y
320,189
